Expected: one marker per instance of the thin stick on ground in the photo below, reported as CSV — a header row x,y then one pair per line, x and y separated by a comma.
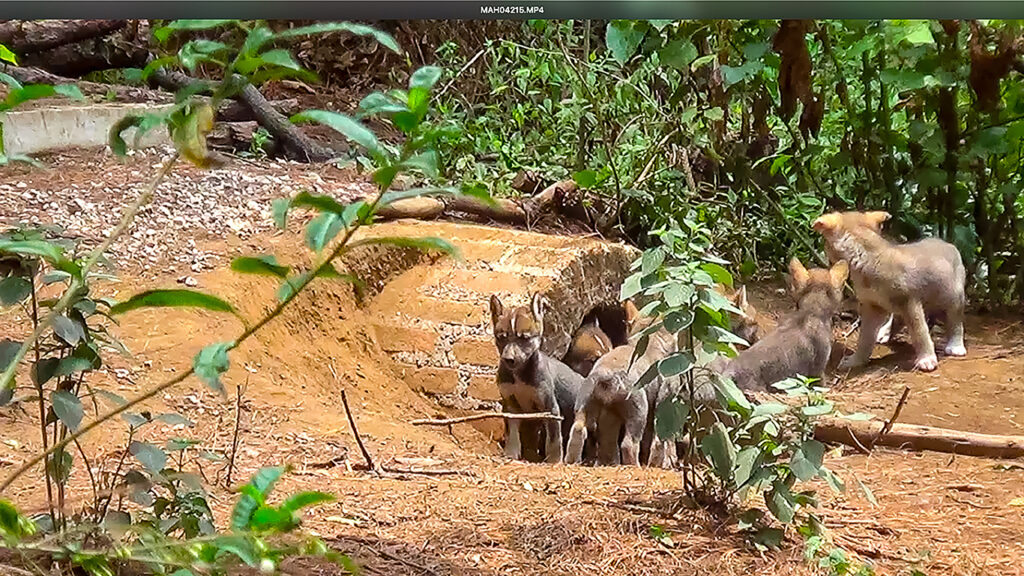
x,y
238,425
355,431
485,416
896,414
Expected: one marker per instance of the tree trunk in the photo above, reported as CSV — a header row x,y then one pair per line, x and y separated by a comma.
x,y
29,75
861,434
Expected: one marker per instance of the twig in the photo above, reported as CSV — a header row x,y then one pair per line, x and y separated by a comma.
x,y
463,69
352,424
238,425
484,416
387,470
896,414
859,446
853,327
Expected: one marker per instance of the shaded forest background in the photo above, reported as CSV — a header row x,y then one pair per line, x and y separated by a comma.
x,y
750,127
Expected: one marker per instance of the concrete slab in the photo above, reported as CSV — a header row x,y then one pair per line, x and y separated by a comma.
x,y
42,129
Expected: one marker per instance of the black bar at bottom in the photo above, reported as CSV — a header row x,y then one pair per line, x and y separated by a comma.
x,y
482,10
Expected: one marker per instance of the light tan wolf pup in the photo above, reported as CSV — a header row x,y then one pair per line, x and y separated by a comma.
x,y
914,281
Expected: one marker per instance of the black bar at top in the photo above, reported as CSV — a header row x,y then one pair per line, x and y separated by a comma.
x,y
476,9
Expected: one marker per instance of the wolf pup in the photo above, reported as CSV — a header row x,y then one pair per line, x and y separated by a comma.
x,y
623,413
802,343
913,281
589,343
531,381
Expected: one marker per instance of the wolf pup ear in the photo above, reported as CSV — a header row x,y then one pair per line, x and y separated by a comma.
x,y
538,305
739,298
877,218
838,273
826,222
632,314
496,308
798,275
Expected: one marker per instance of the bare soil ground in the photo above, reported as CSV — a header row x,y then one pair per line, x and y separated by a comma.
x,y
936,513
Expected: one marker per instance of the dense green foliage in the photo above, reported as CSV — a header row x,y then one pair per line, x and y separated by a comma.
x,y
760,126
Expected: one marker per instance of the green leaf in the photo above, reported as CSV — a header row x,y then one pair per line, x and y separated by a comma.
x,y
746,460
425,77
253,495
163,33
279,209
585,178
175,298
7,56
344,125
195,52
322,229
676,364
919,32
780,502
14,290
302,500
718,273
719,449
714,114
380,103
260,265
383,38
730,396
175,420
282,58
210,363
179,444
426,244
290,285
651,260
419,102
670,418
68,330
68,408
818,409
49,252
43,370
151,457
255,39
678,54
703,60
623,37
10,81
678,320
807,460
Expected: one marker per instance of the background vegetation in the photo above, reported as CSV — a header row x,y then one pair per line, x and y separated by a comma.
x,y
759,126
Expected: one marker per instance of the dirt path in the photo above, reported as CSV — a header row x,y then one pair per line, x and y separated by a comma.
x,y
935,513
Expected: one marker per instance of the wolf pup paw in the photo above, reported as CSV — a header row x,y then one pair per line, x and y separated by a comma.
x,y
927,364
850,362
956,349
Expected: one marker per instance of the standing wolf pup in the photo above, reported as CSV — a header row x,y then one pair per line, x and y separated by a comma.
x,y
531,381
913,281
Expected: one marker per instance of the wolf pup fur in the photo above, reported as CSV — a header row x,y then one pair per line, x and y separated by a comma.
x,y
531,381
913,281
802,343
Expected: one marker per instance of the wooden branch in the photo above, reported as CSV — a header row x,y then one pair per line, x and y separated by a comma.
x,y
484,416
33,75
896,414
925,438
352,424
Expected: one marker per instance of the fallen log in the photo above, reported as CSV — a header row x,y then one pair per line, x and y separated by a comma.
x,y
25,37
237,112
548,201
922,438
31,75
